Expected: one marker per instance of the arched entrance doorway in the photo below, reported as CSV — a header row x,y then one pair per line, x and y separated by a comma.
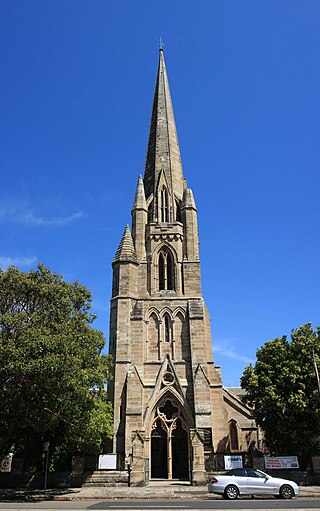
x,y
159,465
180,459
169,442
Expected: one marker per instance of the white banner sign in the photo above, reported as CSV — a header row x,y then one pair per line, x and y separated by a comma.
x,y
107,462
232,462
281,462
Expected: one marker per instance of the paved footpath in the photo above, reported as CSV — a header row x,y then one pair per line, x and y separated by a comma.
x,y
155,490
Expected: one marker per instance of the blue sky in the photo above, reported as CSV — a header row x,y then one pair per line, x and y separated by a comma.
x,y
77,81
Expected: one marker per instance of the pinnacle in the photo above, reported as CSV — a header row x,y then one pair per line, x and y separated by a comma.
x,y
140,198
188,199
126,250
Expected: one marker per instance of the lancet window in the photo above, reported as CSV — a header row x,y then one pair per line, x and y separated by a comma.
x,y
166,270
150,212
178,212
164,205
167,329
234,443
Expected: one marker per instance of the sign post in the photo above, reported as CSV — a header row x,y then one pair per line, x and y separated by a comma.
x,y
45,448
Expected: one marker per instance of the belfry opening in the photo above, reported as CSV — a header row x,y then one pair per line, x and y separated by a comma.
x,y
173,418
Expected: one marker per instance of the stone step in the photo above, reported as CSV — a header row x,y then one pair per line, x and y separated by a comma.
x,y
101,478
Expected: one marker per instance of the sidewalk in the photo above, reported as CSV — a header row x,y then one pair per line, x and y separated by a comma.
x,y
155,490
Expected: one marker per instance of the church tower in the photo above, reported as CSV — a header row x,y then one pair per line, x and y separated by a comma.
x,y
170,411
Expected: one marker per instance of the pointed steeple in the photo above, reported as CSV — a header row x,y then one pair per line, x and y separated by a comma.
x,y
126,251
163,147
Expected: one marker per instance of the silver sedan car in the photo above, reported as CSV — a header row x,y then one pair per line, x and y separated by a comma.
x,y
248,481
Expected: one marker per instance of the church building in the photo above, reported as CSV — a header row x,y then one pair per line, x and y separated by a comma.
x,y
173,418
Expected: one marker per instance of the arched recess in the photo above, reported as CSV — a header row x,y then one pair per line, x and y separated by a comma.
x,y
166,332
153,337
181,338
233,436
170,440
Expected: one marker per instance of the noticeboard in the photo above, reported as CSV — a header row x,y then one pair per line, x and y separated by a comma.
x,y
233,462
107,462
281,462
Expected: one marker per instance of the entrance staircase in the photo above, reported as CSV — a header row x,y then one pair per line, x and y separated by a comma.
x,y
100,478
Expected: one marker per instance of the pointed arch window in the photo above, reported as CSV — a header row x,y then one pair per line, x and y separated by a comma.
x,y
164,205
178,212
150,212
234,442
169,272
162,265
166,270
167,329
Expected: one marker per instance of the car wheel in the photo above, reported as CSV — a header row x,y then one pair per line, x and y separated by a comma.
x,y
286,491
231,492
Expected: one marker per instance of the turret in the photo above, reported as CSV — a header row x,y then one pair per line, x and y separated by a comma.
x,y
125,267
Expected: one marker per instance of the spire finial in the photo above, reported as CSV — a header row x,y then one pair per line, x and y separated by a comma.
x,y
161,44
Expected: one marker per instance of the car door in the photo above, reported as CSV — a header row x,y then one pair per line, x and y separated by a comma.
x,y
239,478
258,483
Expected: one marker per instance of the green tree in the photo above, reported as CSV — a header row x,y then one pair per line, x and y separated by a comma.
x,y
282,388
52,370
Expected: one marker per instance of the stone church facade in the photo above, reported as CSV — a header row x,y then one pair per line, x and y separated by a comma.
x,y
172,414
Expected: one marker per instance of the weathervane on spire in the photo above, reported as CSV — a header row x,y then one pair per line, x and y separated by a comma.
x,y
161,44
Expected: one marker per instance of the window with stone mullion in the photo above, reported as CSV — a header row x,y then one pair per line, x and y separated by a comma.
x,y
166,271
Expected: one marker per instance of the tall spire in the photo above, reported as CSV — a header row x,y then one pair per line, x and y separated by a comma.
x,y
163,147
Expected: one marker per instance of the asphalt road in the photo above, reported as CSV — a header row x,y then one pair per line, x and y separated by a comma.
x,y
157,505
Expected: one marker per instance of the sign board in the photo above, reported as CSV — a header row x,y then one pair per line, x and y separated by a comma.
x,y
316,464
107,462
45,446
233,462
281,462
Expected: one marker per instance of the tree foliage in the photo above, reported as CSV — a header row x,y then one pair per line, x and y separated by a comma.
x,y
282,388
52,370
